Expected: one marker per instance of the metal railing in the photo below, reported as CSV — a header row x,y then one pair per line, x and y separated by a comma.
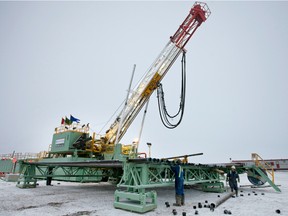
x,y
260,162
73,127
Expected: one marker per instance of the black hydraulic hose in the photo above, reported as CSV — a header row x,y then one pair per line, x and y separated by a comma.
x,y
164,115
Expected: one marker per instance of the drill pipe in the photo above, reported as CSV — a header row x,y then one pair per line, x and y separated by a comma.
x,y
183,156
222,200
91,163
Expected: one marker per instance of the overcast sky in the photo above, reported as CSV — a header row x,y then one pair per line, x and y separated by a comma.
x,y
62,58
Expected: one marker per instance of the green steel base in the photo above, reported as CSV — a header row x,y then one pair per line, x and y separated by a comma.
x,y
24,183
135,207
217,187
135,202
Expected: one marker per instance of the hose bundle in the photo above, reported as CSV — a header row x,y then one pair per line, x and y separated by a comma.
x,y
166,118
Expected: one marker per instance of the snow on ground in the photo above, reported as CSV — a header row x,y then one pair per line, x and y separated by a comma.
x,y
96,199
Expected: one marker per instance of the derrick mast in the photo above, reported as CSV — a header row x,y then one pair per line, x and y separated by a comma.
x,y
141,93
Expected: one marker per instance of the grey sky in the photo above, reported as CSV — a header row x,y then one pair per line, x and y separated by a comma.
x,y
62,58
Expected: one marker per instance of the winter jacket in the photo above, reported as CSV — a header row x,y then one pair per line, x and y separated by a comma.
x,y
232,177
179,179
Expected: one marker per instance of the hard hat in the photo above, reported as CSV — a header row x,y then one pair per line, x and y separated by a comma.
x,y
233,167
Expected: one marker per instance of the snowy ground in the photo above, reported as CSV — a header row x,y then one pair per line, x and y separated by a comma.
x,y
73,199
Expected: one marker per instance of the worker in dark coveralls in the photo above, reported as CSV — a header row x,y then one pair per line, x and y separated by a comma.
x,y
179,184
232,178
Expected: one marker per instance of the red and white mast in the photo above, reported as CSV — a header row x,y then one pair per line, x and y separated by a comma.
x,y
141,93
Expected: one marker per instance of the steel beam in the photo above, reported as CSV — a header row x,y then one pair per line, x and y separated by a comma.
x,y
144,174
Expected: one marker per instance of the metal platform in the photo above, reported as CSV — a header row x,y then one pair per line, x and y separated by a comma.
x,y
68,169
135,178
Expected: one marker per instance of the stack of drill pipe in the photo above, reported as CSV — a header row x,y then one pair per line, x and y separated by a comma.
x,y
91,163
145,160
140,160
222,200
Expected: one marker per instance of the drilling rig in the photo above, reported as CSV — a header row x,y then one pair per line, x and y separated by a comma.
x,y
75,139
75,155
73,145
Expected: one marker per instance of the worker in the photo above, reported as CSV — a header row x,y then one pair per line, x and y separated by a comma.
x,y
232,178
179,184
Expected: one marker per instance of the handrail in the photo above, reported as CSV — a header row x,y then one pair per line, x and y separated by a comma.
x,y
260,162
75,127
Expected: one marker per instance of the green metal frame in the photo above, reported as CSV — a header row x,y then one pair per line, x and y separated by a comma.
x,y
137,180
27,176
138,177
29,173
149,175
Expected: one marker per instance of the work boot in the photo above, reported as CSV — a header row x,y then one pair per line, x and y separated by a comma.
x,y
178,200
183,200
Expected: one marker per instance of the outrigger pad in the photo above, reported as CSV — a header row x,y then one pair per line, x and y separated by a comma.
x,y
135,202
